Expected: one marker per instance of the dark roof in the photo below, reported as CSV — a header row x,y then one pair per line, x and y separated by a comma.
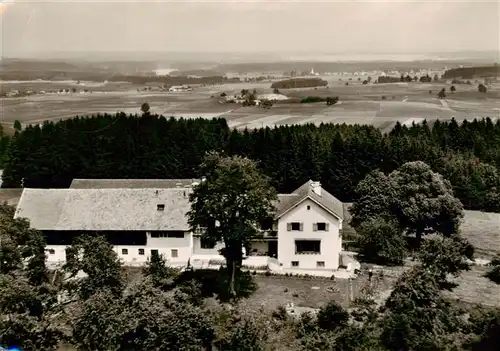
x,y
327,200
131,183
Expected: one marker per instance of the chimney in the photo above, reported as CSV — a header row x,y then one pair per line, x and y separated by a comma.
x,y
316,187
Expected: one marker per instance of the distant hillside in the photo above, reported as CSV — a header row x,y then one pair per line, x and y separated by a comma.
x,y
318,66
197,72
8,64
473,72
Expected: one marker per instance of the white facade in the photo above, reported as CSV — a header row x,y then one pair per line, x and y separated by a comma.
x,y
309,238
177,251
306,233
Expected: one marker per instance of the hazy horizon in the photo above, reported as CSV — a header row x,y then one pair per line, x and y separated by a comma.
x,y
34,29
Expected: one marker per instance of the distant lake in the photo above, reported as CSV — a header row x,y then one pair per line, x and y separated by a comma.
x,y
164,71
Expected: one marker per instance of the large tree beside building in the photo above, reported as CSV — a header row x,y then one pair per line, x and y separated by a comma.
x,y
418,200
229,203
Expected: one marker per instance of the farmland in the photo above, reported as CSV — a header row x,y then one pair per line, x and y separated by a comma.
x,y
377,104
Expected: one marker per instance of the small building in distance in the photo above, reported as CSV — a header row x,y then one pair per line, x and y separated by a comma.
x,y
139,217
180,88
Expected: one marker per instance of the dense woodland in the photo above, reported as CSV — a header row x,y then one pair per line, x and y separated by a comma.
x,y
299,83
149,146
471,72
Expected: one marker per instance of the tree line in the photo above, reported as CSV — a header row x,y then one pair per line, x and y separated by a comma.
x,y
340,156
299,83
471,72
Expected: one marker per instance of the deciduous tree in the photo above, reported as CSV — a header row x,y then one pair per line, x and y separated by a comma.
x,y
93,265
494,270
445,256
228,205
28,301
425,202
145,318
145,108
381,240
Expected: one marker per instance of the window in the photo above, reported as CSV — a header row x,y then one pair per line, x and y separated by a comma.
x,y
124,251
294,226
206,244
160,207
308,207
267,224
320,264
174,253
320,227
295,263
141,251
307,247
154,252
167,234
51,251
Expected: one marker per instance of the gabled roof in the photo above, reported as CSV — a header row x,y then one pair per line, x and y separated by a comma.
x,y
329,202
41,206
105,209
131,183
131,204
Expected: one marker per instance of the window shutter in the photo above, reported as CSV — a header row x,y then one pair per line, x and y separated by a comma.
x,y
301,226
315,227
327,227
289,227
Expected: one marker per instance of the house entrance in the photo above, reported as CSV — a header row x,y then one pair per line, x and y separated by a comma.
x,y
272,248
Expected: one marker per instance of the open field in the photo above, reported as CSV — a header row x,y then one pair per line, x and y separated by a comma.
x,y
272,292
277,291
482,229
474,288
359,104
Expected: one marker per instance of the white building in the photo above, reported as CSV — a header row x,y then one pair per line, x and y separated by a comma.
x,y
142,216
180,88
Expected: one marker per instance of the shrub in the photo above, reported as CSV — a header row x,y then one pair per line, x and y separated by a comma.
x,y
311,99
494,272
332,316
280,314
212,282
332,100
380,240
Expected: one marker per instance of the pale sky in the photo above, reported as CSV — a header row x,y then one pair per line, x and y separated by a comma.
x,y
34,26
